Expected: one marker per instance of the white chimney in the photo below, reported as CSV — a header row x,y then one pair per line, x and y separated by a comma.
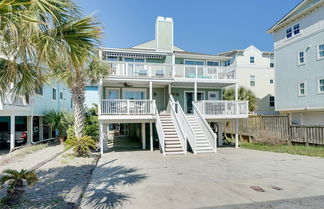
x,y
164,34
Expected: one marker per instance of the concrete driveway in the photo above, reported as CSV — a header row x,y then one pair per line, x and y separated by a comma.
x,y
141,179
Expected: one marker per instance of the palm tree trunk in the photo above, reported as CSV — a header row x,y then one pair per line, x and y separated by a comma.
x,y
78,98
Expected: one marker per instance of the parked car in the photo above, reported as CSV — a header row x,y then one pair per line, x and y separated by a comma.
x,y
20,137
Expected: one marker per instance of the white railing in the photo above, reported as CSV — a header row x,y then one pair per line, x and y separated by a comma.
x,y
223,108
303,32
178,125
209,133
160,133
190,134
126,69
127,107
204,72
169,71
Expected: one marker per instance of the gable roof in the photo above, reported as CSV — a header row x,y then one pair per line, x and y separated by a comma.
x,y
151,45
238,51
303,8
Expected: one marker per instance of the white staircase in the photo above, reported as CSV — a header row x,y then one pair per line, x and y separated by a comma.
x,y
202,143
172,144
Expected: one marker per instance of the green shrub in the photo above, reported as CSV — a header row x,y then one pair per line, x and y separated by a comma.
x,y
92,123
81,146
15,181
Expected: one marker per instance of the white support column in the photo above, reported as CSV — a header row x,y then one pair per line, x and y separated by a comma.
x,y
143,136
169,89
41,128
236,133
100,96
151,90
237,120
30,129
151,136
12,131
220,129
195,91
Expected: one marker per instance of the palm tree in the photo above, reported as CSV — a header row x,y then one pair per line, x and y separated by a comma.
x,y
16,183
74,51
59,121
243,94
21,24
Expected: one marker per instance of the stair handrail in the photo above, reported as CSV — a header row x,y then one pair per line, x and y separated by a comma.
x,y
209,133
182,135
187,128
158,126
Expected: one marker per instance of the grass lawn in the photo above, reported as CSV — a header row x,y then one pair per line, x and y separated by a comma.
x,y
314,151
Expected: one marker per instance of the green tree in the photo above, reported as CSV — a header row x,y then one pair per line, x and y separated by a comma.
x,y
243,94
59,121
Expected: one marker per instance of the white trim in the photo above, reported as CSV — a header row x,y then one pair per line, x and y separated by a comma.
x,y
318,85
318,51
185,98
108,88
305,89
134,90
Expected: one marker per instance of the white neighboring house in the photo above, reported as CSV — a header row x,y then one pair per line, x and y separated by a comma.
x,y
255,71
299,60
19,116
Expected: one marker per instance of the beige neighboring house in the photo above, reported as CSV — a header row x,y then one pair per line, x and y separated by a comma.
x,y
255,71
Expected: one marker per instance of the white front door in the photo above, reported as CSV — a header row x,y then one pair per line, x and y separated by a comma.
x,y
213,95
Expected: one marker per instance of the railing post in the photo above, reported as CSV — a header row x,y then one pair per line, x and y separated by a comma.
x,y
225,107
127,106
126,69
150,70
196,71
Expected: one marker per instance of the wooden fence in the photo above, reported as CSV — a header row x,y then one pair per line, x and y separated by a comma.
x,y
277,128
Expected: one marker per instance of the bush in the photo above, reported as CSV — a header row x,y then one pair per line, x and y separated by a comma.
x,y
81,146
16,181
92,123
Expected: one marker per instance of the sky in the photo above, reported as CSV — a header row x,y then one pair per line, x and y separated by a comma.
x,y
205,26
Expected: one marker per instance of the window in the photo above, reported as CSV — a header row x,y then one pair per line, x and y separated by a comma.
x,y
112,58
271,101
271,81
54,94
212,63
227,63
321,86
194,62
271,65
252,60
133,60
61,95
296,29
252,80
321,51
301,57
302,89
288,33
39,91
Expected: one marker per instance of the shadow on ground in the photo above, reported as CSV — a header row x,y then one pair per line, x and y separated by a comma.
x,y
316,202
103,193
54,184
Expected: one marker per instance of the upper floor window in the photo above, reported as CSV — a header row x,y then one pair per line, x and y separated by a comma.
x,y
272,65
112,59
252,80
271,101
302,89
301,57
212,63
39,91
133,60
288,33
296,29
54,94
321,85
320,51
227,63
252,59
61,95
271,81
194,62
